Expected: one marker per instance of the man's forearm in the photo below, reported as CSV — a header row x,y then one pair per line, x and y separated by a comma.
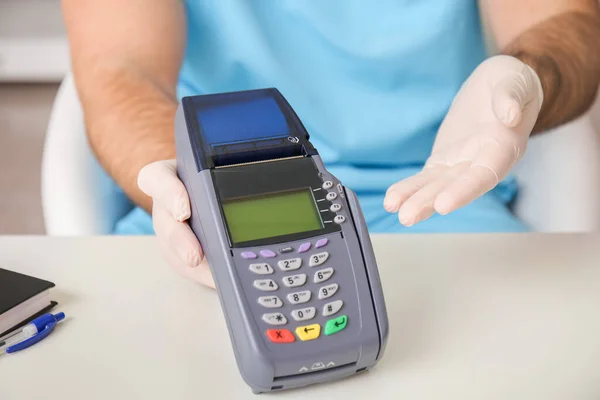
x,y
129,120
565,52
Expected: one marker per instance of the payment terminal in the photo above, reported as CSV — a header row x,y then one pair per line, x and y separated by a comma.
x,y
287,243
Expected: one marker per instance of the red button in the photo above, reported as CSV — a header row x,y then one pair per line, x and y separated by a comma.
x,y
280,336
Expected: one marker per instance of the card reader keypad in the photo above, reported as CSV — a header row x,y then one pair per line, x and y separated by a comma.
x,y
303,305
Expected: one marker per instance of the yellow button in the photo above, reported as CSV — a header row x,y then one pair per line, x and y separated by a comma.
x,y
308,332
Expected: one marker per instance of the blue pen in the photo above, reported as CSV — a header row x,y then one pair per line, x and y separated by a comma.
x,y
32,333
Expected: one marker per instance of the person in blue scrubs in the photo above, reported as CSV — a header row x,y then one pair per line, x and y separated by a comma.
x,y
375,84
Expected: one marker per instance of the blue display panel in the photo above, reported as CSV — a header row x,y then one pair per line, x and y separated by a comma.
x,y
254,118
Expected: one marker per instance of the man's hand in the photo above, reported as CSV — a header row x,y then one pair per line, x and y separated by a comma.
x,y
484,134
170,210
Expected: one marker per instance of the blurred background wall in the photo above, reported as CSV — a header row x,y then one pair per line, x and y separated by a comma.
x,y
33,58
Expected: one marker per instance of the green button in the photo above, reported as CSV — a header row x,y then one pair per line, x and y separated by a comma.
x,y
336,325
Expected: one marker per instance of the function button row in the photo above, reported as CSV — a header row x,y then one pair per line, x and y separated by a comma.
x,y
270,301
318,259
290,264
266,285
275,318
299,297
327,291
261,269
304,314
308,332
250,255
303,248
294,280
323,275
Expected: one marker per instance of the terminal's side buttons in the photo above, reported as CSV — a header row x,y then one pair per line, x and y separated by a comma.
x,y
327,185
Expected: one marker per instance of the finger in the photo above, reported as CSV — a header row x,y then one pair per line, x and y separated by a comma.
x,y
475,182
507,108
496,157
159,180
400,191
178,236
200,274
513,93
420,206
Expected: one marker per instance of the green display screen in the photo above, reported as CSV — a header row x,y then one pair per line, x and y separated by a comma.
x,y
272,215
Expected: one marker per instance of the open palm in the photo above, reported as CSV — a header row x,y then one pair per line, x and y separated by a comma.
x,y
482,137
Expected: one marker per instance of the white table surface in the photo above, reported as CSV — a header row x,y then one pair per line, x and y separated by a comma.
x,y
471,317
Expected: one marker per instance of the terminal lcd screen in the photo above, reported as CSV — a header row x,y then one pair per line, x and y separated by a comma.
x,y
272,215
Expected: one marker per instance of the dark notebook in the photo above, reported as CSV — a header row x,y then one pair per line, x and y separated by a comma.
x,y
22,298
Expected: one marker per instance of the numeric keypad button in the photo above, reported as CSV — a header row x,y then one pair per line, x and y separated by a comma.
x,y
294,280
275,319
332,308
261,269
270,301
318,259
323,275
304,314
290,264
299,297
266,285
327,291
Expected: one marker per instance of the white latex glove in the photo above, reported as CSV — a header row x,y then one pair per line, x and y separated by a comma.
x,y
482,137
170,210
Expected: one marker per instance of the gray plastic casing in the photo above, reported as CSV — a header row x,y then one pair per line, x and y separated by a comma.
x,y
267,366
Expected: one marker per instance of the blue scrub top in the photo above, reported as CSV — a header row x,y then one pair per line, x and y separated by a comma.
x,y
371,81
